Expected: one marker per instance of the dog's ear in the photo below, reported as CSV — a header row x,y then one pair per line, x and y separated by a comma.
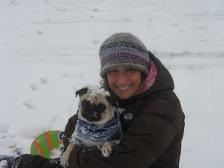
x,y
81,92
111,100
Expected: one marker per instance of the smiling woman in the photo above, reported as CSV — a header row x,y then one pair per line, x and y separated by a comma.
x,y
152,120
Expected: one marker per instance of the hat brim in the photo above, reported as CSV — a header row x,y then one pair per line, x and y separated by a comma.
x,y
110,67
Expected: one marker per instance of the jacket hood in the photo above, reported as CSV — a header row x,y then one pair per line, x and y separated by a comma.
x,y
164,80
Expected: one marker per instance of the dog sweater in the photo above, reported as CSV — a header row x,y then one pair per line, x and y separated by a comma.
x,y
89,134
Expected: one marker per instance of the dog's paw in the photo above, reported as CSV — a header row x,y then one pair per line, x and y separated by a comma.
x,y
106,149
64,160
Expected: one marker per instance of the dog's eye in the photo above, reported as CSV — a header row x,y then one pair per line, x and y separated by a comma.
x,y
101,107
85,104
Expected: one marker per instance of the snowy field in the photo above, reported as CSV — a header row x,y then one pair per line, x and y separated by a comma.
x,y
49,48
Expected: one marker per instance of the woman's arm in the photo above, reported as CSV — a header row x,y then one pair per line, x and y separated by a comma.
x,y
150,135
69,129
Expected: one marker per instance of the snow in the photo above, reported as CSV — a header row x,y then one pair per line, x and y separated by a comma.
x,y
49,49
3,163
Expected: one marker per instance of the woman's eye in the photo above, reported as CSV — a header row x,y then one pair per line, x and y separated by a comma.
x,y
101,107
114,70
130,70
111,72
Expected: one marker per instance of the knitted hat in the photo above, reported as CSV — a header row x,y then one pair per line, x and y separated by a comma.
x,y
123,49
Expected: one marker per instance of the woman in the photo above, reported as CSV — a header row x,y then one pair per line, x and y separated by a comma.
x,y
153,121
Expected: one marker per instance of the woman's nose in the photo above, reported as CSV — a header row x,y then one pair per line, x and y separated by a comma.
x,y
121,78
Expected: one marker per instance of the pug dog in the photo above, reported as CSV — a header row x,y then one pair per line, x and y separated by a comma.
x,y
98,123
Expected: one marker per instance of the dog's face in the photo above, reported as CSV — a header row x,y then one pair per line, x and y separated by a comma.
x,y
94,106
92,111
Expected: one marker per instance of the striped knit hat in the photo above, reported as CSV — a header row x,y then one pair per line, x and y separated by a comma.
x,y
123,49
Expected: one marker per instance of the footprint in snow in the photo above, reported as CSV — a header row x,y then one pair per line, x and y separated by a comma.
x,y
95,10
35,87
39,32
43,80
29,104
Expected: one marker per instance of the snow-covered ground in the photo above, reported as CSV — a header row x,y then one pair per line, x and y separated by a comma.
x,y
49,48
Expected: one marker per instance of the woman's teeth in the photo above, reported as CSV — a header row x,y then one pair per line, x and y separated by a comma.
x,y
123,87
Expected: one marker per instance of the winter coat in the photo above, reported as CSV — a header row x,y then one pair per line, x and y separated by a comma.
x,y
151,138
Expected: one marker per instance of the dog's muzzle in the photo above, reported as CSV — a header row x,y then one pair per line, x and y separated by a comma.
x,y
92,112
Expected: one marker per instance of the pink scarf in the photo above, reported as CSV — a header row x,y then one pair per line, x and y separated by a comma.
x,y
150,79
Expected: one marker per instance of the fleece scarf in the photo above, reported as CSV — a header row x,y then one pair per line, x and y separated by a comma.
x,y
150,79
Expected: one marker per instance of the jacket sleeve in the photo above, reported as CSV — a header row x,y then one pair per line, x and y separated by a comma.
x,y
69,129
152,131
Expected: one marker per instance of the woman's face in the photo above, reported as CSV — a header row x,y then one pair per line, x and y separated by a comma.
x,y
124,82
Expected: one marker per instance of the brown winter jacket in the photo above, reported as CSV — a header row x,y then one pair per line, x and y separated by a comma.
x,y
152,139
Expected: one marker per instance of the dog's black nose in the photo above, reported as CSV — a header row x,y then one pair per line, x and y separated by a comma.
x,y
86,104
100,107
92,112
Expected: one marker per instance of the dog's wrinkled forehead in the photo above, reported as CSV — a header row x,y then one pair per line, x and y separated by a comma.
x,y
90,92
